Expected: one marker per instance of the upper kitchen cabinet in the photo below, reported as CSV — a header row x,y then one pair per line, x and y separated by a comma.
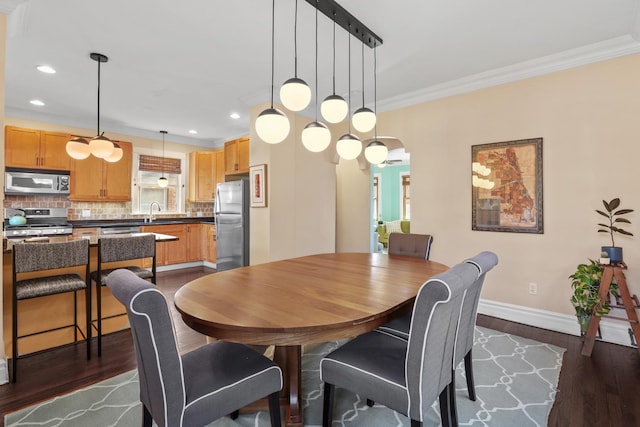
x,y
202,176
38,149
236,156
96,180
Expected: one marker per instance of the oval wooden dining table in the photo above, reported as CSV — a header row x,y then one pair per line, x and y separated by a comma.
x,y
300,301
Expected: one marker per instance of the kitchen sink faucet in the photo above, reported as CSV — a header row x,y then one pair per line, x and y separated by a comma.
x,y
151,217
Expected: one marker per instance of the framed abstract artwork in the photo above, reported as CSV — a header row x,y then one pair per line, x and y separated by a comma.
x,y
507,186
258,178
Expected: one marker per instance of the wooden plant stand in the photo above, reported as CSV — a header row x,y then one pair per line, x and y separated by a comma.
x,y
629,302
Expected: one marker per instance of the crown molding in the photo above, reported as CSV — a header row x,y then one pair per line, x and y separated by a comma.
x,y
597,52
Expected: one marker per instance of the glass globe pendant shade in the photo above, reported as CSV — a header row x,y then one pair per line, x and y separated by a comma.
x,y
349,146
316,137
363,119
101,147
163,182
272,126
295,94
376,152
334,108
116,155
78,148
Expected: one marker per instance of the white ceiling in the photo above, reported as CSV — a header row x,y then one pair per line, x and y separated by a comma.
x,y
189,64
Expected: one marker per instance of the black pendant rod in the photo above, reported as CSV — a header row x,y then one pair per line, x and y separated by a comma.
x,y
347,21
98,57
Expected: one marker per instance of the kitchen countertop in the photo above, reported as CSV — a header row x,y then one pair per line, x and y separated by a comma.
x,y
140,222
93,240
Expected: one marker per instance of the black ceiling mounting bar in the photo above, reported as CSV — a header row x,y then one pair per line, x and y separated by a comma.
x,y
347,21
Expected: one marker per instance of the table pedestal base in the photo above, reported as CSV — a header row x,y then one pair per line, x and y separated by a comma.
x,y
289,358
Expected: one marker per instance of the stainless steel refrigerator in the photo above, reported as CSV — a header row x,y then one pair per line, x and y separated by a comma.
x,y
232,224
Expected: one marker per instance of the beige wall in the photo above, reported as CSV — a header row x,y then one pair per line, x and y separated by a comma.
x,y
301,214
588,118
3,33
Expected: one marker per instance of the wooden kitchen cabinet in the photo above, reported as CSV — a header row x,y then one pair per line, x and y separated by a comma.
x,y
202,176
37,149
209,242
96,180
187,248
236,156
194,242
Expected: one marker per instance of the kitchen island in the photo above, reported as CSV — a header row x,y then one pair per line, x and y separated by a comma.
x,y
56,310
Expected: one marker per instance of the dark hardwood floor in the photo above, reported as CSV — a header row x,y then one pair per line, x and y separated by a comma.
x,y
601,390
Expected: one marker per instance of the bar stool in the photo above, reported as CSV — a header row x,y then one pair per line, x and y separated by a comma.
x,y
116,249
34,257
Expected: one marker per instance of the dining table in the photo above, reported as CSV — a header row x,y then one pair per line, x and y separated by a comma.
x,y
294,302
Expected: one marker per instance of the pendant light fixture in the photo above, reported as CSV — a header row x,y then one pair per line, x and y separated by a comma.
x,y
78,148
116,154
295,93
162,181
100,145
349,146
316,136
363,119
334,108
272,126
376,152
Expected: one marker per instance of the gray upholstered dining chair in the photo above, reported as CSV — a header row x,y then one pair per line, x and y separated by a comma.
x,y
114,250
405,375
33,257
410,244
198,387
483,262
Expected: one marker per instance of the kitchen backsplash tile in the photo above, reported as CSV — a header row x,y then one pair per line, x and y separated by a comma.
x,y
99,210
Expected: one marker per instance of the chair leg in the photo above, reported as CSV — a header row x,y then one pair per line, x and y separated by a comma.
x,y
87,308
327,405
99,310
370,403
14,340
147,420
468,369
274,409
445,407
416,423
235,414
453,408
75,316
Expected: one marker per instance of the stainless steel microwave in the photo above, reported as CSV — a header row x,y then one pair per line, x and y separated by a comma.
x,y
36,182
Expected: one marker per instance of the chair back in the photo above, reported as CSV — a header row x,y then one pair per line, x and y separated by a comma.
x,y
432,336
159,363
408,244
29,257
112,249
483,262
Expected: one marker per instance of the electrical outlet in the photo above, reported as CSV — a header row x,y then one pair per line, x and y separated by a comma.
x,y
533,288
86,213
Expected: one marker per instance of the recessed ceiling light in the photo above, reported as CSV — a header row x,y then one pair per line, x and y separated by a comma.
x,y
193,132
234,115
46,69
37,102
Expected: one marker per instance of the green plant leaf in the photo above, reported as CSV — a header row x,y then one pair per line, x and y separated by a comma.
x,y
623,211
613,204
625,232
602,213
625,220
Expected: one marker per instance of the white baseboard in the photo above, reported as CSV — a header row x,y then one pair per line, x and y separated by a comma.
x,y
4,371
613,331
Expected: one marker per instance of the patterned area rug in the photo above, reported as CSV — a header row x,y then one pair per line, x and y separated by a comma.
x,y
515,377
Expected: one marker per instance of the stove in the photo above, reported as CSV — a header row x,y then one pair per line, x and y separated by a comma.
x,y
40,222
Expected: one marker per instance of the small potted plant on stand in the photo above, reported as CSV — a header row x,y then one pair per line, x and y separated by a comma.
x,y
586,293
615,219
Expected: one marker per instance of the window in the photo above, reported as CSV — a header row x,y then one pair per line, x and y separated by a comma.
x,y
146,189
406,197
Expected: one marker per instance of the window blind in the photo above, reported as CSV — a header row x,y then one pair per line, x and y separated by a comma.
x,y
159,164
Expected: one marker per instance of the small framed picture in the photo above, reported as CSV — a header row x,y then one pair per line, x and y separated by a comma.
x,y
258,177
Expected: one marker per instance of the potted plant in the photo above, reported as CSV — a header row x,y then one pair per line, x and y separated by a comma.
x,y
615,219
586,293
